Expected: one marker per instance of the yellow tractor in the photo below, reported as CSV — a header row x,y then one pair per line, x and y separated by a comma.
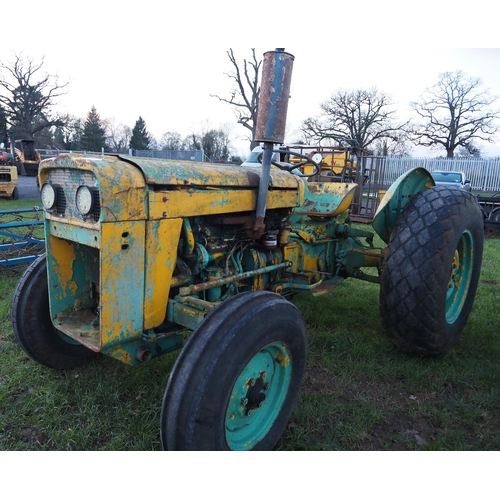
x,y
8,173
142,252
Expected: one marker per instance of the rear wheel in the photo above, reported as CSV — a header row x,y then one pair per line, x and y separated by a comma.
x,y
15,194
431,270
236,381
33,327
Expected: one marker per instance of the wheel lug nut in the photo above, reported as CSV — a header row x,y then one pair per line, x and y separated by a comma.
x,y
244,401
266,386
262,374
251,382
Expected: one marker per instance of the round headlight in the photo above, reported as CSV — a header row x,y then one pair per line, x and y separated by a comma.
x,y
84,200
48,196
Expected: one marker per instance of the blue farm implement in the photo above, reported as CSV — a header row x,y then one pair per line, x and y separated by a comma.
x,y
18,242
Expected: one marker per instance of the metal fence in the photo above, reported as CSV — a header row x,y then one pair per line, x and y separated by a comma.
x,y
194,155
484,173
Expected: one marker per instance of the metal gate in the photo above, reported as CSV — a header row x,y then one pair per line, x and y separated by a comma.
x,y
370,179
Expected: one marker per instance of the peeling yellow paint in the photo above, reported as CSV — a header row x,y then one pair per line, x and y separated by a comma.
x,y
62,258
190,202
162,238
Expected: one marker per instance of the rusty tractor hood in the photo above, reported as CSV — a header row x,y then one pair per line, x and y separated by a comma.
x,y
187,173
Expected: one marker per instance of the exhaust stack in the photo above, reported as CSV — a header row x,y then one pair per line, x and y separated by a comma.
x,y
271,120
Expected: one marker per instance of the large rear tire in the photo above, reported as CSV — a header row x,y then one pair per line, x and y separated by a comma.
x,y
431,271
235,383
33,327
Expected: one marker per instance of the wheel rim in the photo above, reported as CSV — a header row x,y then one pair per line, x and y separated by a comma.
x,y
257,396
460,277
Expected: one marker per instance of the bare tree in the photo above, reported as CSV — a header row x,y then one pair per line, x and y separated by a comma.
x,y
117,135
28,96
215,142
398,146
245,94
469,151
362,116
454,112
171,141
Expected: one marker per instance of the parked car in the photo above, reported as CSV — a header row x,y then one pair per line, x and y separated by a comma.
x,y
252,160
442,177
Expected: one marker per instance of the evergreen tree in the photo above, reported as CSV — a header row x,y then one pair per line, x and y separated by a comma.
x,y
140,139
94,134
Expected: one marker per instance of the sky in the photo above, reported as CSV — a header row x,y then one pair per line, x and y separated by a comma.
x,y
164,61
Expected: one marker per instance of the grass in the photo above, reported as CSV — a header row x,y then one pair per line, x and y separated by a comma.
x,y
359,393
10,204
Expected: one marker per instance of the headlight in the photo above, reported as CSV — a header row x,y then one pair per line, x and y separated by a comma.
x,y
48,196
84,199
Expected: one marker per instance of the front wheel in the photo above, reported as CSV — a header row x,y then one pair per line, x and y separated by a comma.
x,y
236,381
33,329
431,271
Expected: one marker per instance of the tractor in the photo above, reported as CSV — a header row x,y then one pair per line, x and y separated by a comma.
x,y
145,256
8,168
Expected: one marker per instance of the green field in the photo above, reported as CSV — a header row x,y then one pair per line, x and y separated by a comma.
x,y
359,393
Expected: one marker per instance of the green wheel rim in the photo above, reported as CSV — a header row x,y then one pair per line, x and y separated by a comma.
x,y
460,277
257,396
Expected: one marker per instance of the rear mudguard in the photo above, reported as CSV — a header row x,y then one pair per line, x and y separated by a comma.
x,y
396,198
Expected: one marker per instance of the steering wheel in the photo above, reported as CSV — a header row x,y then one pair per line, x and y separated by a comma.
x,y
291,167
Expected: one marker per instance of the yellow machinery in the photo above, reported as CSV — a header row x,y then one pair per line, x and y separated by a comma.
x,y
8,175
336,164
8,182
141,252
26,157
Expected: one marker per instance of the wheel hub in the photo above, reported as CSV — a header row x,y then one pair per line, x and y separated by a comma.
x,y
460,277
256,393
257,396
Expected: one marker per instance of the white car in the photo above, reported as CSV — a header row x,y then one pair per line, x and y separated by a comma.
x,y
442,177
252,160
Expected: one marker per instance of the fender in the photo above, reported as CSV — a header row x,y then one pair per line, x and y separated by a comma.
x,y
396,198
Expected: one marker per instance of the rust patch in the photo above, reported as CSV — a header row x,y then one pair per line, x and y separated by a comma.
x,y
253,179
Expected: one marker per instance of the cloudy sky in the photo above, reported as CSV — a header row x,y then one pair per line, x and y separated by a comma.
x,y
163,61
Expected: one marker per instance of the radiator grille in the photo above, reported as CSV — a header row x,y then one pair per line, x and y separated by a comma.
x,y
66,183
